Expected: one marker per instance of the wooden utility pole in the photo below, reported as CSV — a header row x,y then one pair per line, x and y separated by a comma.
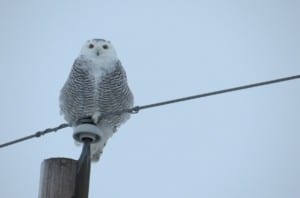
x,y
58,176
68,178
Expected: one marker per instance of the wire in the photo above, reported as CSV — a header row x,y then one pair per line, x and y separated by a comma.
x,y
37,134
136,109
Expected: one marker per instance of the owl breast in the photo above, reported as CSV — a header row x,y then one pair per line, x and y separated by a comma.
x,y
92,89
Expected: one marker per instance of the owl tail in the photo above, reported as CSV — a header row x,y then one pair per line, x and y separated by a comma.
x,y
97,148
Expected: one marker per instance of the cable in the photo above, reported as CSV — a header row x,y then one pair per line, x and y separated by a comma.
x,y
136,109
37,134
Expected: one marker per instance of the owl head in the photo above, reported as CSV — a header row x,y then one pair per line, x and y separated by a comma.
x,y
98,49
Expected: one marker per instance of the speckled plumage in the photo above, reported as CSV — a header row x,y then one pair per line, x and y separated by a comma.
x,y
97,84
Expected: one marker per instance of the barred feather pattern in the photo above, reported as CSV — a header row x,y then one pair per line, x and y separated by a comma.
x,y
83,94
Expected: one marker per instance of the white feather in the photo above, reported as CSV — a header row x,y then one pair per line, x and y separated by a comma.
x,y
97,83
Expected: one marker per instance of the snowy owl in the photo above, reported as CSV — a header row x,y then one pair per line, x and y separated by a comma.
x,y
97,84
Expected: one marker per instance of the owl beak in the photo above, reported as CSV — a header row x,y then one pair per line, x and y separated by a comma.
x,y
98,53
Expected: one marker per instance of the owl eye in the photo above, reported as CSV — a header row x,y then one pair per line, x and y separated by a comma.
x,y
105,46
91,46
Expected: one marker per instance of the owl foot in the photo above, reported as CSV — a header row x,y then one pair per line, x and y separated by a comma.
x,y
96,117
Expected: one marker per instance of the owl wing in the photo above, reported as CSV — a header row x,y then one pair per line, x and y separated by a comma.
x,y
76,96
115,95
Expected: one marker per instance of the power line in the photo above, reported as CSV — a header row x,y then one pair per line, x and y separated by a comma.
x,y
136,109
37,134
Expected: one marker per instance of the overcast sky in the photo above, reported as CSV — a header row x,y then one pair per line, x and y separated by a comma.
x,y
243,144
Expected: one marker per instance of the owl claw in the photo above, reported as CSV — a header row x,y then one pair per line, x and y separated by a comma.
x,y
96,117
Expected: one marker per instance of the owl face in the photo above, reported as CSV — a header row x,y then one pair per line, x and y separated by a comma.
x,y
98,49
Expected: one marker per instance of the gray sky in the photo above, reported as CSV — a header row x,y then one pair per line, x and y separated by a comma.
x,y
243,144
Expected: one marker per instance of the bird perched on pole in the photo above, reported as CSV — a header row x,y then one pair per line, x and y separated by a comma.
x,y
97,84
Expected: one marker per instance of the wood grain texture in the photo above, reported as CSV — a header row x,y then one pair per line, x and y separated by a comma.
x,y
58,177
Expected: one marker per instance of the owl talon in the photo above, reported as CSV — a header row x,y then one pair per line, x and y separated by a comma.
x,y
96,117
